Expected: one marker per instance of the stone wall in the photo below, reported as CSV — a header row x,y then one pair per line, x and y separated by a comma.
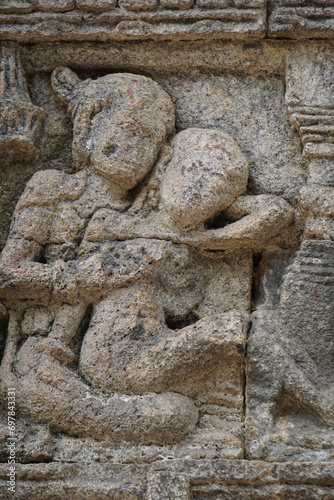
x,y
166,235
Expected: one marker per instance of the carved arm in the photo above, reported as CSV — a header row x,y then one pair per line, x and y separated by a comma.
x,y
257,219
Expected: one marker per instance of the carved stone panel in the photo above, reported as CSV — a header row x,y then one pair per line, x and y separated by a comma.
x,y
131,19
167,253
301,18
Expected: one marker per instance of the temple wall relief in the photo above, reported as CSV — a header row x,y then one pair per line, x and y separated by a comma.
x,y
166,266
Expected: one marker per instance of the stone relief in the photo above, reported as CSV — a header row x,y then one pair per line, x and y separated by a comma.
x,y
301,18
291,351
103,266
20,120
166,312
26,20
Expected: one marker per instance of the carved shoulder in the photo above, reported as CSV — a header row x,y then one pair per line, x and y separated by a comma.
x,y
48,187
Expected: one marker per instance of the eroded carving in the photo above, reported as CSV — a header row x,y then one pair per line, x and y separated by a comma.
x,y
290,376
20,120
126,19
301,18
95,271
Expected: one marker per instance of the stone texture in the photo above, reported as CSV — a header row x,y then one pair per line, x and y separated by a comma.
x,y
131,19
141,5
160,342
296,390
212,4
20,120
206,174
53,6
27,20
169,486
177,4
215,478
93,6
127,153
300,18
166,283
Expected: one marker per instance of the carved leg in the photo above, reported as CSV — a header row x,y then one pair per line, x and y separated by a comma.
x,y
128,347
54,394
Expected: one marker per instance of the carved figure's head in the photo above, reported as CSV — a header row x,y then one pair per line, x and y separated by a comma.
x,y
206,174
120,122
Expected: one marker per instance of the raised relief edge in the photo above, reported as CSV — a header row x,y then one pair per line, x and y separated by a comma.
x,y
240,20
301,19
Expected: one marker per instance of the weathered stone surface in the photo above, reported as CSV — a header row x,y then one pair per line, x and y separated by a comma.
x,y
166,283
290,402
142,116
177,4
165,479
169,486
131,19
212,4
125,291
20,120
138,5
206,174
53,6
93,6
301,18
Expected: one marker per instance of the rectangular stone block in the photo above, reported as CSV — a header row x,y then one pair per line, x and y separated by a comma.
x,y
100,6
212,4
177,4
250,3
132,20
53,5
169,480
138,5
222,4
15,6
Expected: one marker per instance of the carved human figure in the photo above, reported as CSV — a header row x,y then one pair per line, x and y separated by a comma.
x,y
90,280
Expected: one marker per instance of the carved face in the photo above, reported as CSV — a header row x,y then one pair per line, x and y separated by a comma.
x,y
120,122
124,148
